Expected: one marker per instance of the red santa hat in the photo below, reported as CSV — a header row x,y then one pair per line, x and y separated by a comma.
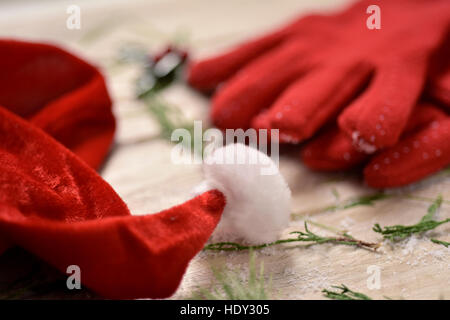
x,y
54,204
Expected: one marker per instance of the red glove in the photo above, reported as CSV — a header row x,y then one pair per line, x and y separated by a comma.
x,y
305,75
57,207
422,150
308,71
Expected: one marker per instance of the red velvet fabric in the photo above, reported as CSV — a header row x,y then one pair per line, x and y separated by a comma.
x,y
320,70
60,94
56,125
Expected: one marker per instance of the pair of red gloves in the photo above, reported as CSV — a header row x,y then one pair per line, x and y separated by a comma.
x,y
355,95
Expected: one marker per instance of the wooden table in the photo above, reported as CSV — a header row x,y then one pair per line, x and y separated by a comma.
x,y
140,169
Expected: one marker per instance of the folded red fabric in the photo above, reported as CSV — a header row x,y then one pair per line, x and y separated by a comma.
x,y
59,93
56,125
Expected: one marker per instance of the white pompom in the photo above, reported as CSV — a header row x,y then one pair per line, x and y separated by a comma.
x,y
257,203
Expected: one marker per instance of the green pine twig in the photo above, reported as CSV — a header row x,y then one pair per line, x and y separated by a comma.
x,y
444,243
365,200
306,236
432,209
344,293
398,232
170,118
229,285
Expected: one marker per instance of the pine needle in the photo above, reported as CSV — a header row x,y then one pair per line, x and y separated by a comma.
x,y
229,285
306,236
398,232
365,200
432,209
170,118
444,243
344,293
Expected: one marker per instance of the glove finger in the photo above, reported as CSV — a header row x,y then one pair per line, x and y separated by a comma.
x,y
314,100
257,85
378,117
422,115
440,88
206,75
332,150
420,153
